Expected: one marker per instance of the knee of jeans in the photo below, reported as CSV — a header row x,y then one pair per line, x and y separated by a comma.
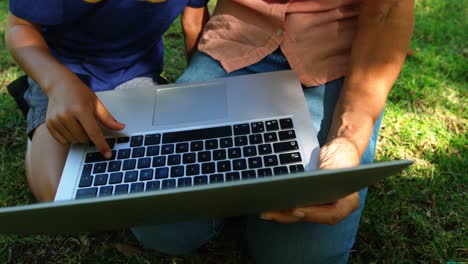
x,y
202,68
179,238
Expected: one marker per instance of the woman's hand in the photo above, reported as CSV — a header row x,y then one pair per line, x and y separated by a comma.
x,y
73,112
338,153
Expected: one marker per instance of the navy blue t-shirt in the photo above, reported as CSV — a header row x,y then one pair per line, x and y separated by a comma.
x,y
108,42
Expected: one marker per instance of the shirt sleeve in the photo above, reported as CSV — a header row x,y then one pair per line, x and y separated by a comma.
x,y
197,3
42,12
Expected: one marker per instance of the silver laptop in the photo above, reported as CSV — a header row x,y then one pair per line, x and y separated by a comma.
x,y
232,146
193,134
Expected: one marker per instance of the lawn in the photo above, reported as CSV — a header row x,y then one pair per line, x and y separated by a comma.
x,y
418,216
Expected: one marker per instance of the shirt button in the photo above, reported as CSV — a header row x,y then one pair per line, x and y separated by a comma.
x,y
279,32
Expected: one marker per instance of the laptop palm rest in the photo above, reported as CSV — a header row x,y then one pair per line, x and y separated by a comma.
x,y
187,104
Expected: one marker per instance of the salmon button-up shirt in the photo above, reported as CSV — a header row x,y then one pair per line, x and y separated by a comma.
x,y
314,35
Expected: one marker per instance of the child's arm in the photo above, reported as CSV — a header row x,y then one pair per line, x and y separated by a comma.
x,y
73,108
193,22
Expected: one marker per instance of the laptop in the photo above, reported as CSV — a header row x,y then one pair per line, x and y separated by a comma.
x,y
231,146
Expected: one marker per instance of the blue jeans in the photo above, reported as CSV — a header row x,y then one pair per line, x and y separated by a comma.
x,y
270,242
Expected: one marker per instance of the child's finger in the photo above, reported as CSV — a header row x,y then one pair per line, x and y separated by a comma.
x,y
89,124
106,118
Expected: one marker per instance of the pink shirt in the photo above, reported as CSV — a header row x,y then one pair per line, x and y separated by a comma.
x,y
315,35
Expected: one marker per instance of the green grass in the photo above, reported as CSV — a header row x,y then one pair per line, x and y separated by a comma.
x,y
418,216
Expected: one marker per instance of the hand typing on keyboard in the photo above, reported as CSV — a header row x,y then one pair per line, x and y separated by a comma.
x,y
73,113
338,153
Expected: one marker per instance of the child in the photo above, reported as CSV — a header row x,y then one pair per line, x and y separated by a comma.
x,y
71,49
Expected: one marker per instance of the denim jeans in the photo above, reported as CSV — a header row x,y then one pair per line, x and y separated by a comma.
x,y
270,242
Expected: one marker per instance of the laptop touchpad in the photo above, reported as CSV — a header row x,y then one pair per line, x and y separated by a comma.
x,y
190,104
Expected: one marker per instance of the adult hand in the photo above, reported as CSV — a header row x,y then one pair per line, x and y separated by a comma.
x,y
338,153
73,112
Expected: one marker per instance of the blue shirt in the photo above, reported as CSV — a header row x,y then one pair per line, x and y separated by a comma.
x,y
108,42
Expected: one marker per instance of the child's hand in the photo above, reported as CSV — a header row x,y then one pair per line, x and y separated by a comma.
x,y
72,112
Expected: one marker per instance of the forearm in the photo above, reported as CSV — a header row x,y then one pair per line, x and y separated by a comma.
x,y
193,22
29,49
379,49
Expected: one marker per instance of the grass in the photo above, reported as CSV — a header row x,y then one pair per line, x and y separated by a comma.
x,y
418,216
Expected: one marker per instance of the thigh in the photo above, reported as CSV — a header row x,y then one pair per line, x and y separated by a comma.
x,y
271,242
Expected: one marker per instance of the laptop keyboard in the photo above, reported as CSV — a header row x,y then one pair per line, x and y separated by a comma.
x,y
157,161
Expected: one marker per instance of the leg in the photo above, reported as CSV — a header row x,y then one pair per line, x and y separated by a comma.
x,y
44,172
271,242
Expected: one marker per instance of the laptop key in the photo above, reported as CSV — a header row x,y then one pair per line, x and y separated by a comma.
x,y
189,158
177,171
232,176
196,146
121,140
234,153
182,147
136,141
241,129
124,153
193,169
280,170
200,180
152,151
153,186
105,191
168,184
161,173
258,127
225,142
129,164
159,161
296,168
271,160
287,135
137,187
204,156
100,179
167,149
285,146
114,166
86,181
270,137
131,176
100,167
255,162
215,178
239,164
219,154
152,139
265,172
240,141
208,167
211,144
255,139
146,175
197,134
111,142
249,174
250,151
265,149
121,189
86,193
98,157
286,123
87,168
115,178
174,159
224,166
184,182
138,152
289,158
272,125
